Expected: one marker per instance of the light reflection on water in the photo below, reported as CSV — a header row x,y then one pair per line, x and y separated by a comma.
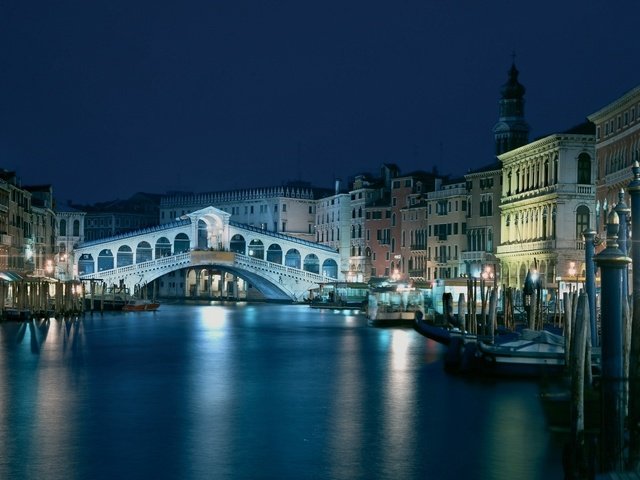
x,y
254,391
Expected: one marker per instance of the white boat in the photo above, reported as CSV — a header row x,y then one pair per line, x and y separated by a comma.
x,y
532,353
394,306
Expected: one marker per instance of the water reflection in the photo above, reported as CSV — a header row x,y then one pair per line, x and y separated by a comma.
x,y
252,392
348,405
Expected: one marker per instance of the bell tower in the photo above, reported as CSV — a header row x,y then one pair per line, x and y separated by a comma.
x,y
511,131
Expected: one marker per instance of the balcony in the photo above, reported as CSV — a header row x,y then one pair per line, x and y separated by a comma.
x,y
418,246
5,239
539,245
476,256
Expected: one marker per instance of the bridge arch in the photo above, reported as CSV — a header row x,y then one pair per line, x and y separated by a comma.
x,y
256,249
311,263
124,256
238,244
293,258
105,260
181,243
86,264
203,235
274,254
330,268
144,253
163,247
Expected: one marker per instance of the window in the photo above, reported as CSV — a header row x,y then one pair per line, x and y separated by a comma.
x,y
584,169
582,220
284,207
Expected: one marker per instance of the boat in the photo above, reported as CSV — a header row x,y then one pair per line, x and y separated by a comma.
x,y
139,305
440,334
525,353
339,296
532,353
394,306
110,299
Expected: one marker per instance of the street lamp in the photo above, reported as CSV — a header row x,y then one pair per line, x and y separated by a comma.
x,y
396,275
573,271
487,273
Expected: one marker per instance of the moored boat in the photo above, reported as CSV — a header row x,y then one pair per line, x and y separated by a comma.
x,y
532,353
394,306
139,305
526,353
339,296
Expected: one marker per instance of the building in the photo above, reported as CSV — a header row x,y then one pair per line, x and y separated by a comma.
x,y
547,202
70,233
617,127
484,189
333,224
288,209
365,191
447,231
413,241
16,254
41,244
511,131
409,222
113,218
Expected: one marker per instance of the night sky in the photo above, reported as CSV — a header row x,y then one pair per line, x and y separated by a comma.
x,y
103,99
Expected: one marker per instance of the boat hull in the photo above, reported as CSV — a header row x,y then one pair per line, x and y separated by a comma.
x,y
391,319
141,307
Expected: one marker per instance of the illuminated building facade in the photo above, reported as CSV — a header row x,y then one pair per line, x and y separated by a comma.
x,y
364,192
70,233
484,191
16,253
288,209
547,201
41,244
447,230
617,147
413,240
333,224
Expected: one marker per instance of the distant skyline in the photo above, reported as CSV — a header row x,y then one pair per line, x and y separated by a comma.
x,y
106,99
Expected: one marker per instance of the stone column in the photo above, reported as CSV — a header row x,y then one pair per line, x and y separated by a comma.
x,y
612,263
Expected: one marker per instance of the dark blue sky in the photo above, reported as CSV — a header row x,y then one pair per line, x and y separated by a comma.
x,y
106,98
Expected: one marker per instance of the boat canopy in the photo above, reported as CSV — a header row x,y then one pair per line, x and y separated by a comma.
x,y
10,276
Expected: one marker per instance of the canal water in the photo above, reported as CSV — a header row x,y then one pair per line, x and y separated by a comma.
x,y
246,391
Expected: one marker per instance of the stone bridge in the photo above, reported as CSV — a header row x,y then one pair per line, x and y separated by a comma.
x,y
280,267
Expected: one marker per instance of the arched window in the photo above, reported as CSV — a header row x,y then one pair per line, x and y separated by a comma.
x,y
582,220
63,228
76,228
584,169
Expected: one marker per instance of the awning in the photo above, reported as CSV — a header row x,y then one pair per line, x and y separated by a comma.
x,y
10,276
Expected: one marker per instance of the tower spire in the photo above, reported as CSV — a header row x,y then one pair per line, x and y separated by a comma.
x,y
511,131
